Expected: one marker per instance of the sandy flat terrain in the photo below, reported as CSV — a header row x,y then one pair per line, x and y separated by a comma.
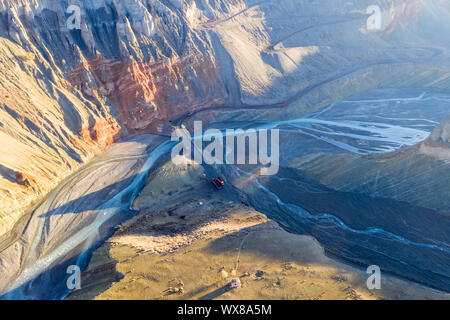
x,y
189,241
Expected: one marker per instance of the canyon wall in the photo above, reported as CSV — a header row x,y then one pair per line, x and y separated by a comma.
x,y
151,95
67,93
76,75
47,130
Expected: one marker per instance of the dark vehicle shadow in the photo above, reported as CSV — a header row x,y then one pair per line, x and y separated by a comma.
x,y
8,173
217,293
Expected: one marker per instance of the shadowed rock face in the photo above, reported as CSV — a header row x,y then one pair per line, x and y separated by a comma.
x,y
47,128
65,94
148,95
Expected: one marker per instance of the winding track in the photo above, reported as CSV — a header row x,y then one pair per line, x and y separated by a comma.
x,y
434,53
211,25
339,75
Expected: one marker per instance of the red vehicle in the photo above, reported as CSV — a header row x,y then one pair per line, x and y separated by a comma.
x,y
212,20
218,183
282,104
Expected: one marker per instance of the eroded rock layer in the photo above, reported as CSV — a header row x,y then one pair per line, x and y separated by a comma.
x,y
76,75
148,95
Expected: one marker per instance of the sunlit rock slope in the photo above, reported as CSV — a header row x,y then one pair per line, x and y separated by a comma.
x,y
67,91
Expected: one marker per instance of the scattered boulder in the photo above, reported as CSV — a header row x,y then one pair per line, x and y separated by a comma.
x,y
23,179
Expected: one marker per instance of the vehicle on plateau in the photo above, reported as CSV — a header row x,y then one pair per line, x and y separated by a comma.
x,y
218,183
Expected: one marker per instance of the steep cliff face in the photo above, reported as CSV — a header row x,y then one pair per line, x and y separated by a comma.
x,y
78,74
47,129
140,54
148,95
70,85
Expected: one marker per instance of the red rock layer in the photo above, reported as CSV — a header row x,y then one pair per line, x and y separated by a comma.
x,y
24,180
103,133
150,94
